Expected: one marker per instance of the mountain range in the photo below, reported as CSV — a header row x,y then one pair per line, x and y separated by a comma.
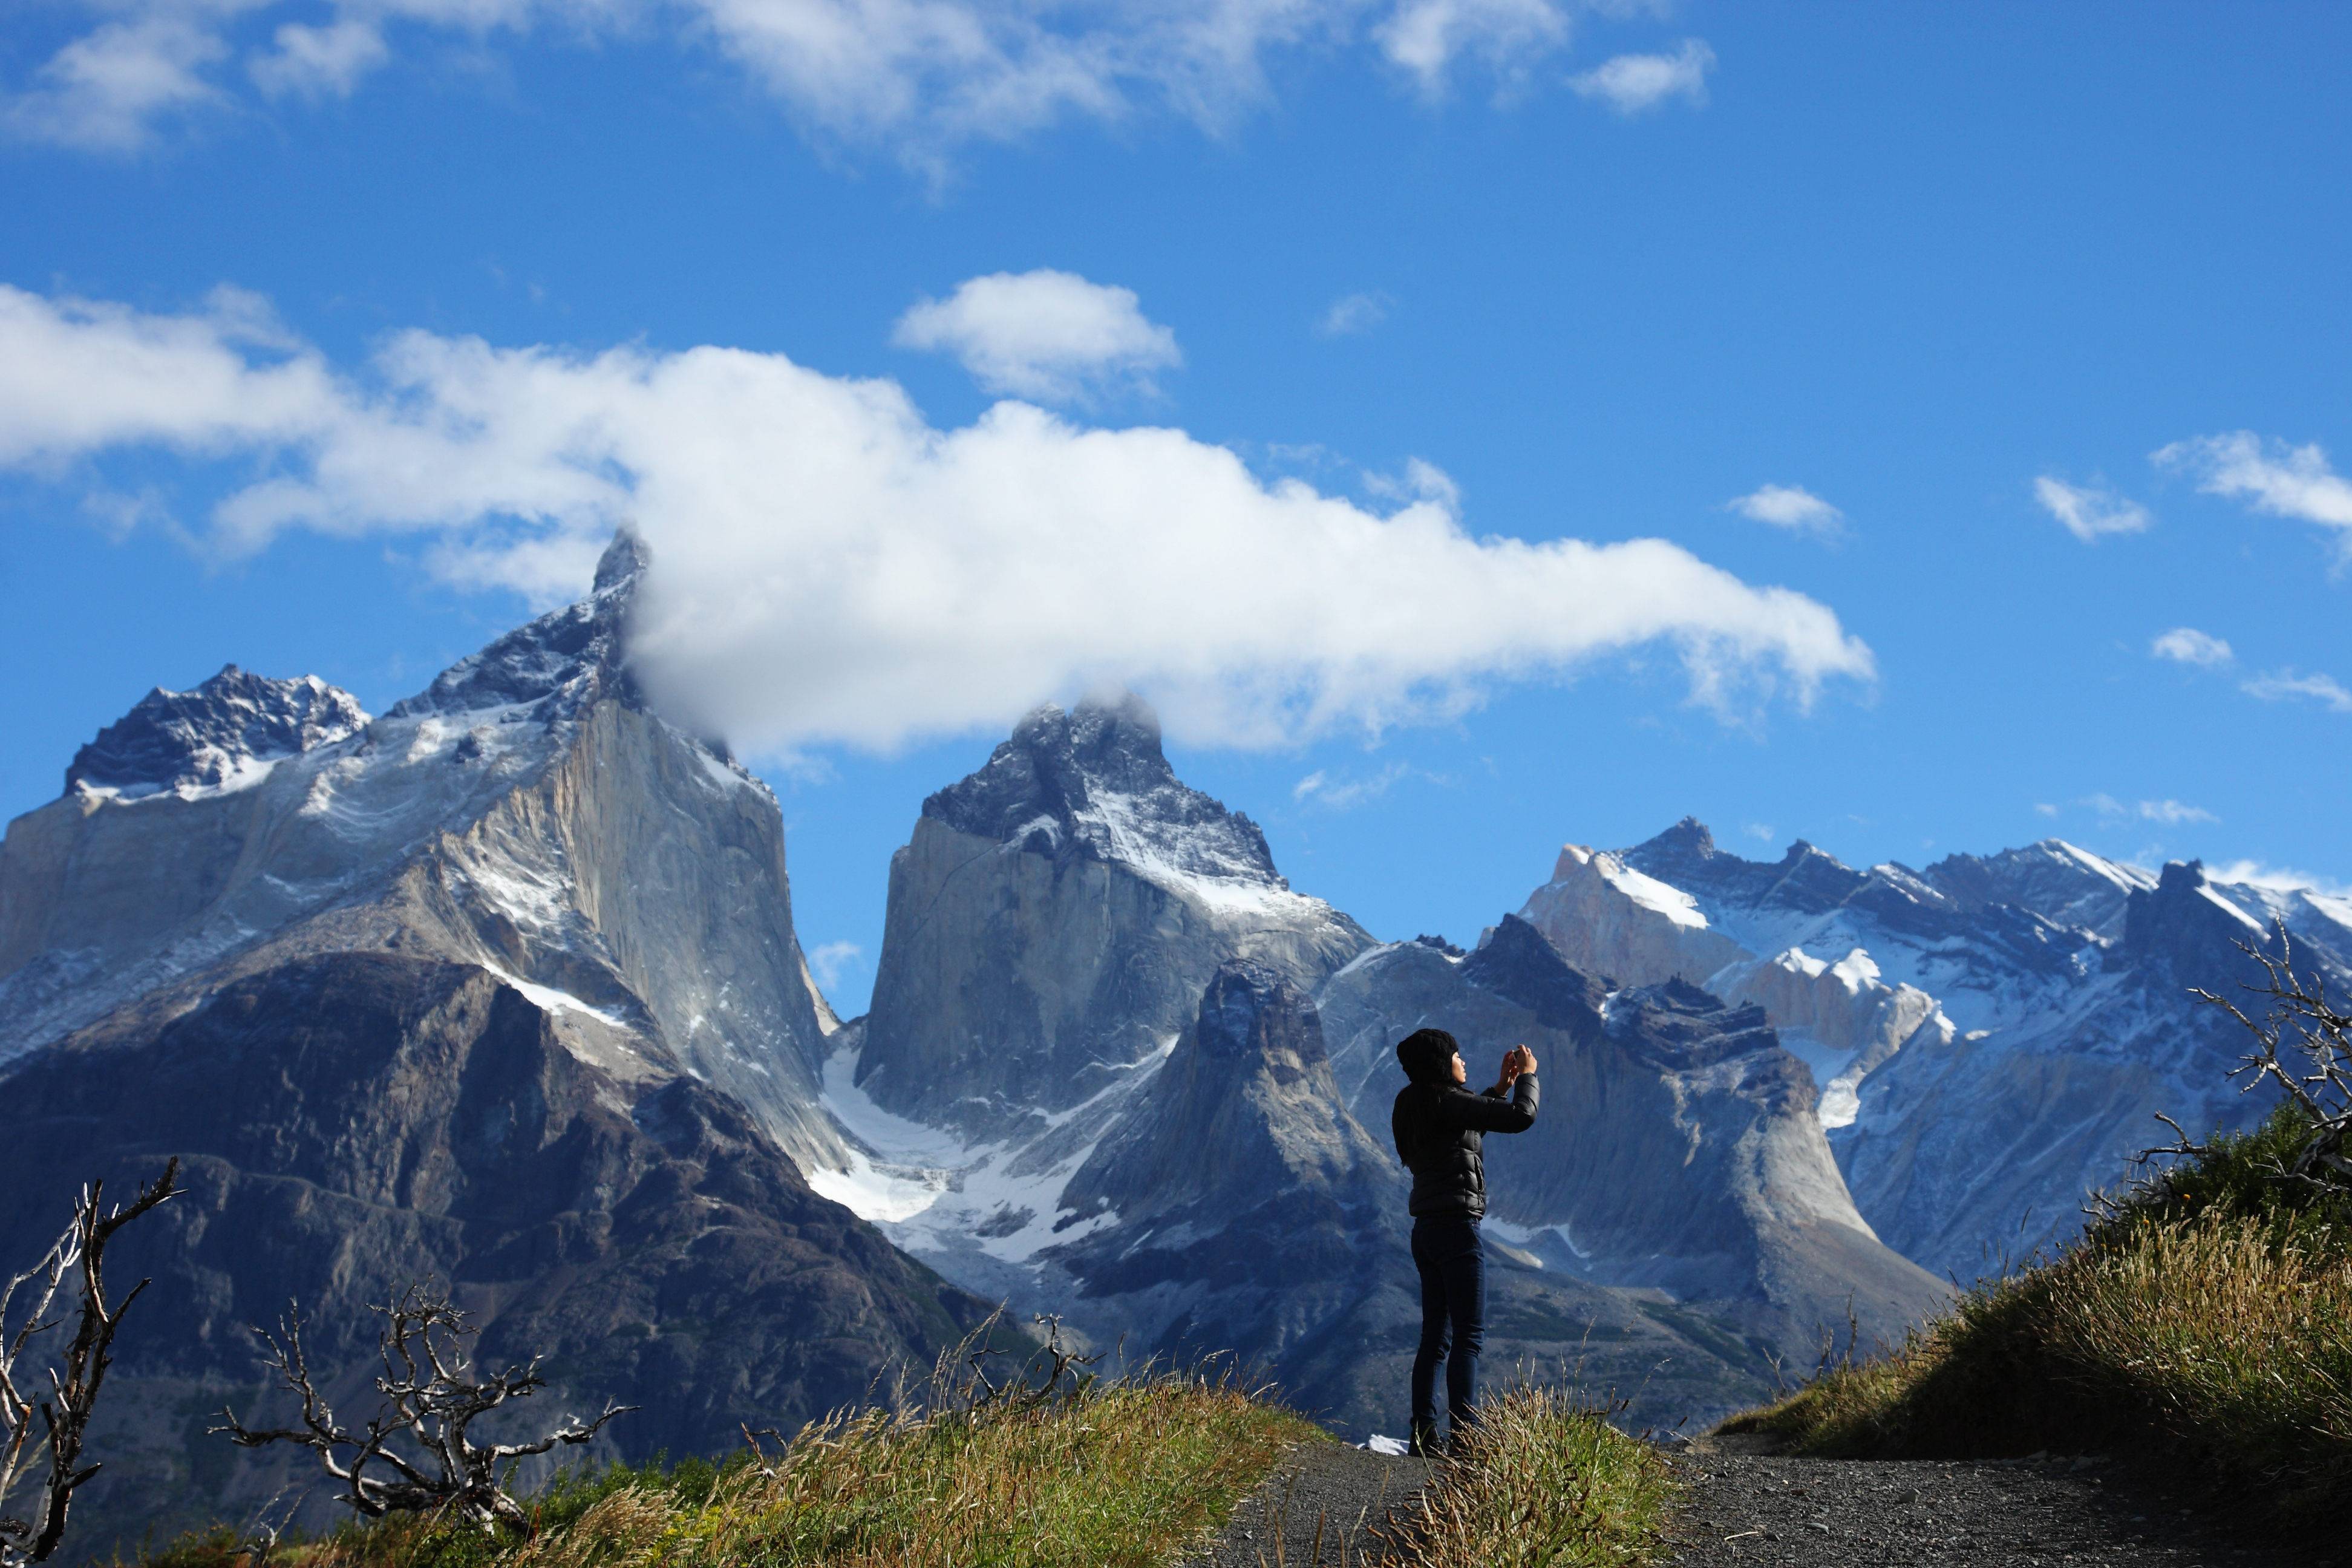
x,y
502,988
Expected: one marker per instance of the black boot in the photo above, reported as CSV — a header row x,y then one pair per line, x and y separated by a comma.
x,y
1425,1443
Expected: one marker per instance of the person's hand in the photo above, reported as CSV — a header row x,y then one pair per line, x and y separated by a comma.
x,y
1526,1060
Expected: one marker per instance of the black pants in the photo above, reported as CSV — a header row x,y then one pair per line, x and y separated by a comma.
x,y
1453,1320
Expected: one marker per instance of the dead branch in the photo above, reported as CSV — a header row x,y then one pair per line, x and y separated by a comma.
x,y
432,1396
72,1396
2301,1020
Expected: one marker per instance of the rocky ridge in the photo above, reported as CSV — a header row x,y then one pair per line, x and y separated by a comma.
x,y
1993,1033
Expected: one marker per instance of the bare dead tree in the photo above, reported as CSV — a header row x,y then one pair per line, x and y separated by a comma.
x,y
2317,1073
72,1394
2302,1044
433,1395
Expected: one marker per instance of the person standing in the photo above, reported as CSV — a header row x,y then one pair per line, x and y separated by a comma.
x,y
1440,1127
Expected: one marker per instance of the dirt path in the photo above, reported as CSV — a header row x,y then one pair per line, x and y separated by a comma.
x,y
1750,1506
1327,1487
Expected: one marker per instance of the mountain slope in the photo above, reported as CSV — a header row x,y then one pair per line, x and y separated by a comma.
x,y
499,988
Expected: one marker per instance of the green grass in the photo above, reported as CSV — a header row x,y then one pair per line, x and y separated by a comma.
x,y
2207,1315
1125,1472
1543,1482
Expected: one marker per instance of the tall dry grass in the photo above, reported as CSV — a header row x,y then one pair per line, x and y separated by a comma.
x,y
2208,1314
1542,1482
1122,1473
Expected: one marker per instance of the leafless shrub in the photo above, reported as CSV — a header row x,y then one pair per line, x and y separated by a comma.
x,y
65,1411
433,1395
2302,1044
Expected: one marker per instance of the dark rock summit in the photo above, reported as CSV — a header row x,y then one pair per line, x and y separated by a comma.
x,y
557,665
1093,782
206,737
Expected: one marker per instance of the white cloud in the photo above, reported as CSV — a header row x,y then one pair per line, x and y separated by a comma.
x,y
320,62
1758,830
918,79
1353,313
2268,476
1047,335
1632,83
2171,813
829,961
2278,879
1791,507
2186,645
2043,808
833,569
2279,685
105,91
2089,512
1426,36
1319,788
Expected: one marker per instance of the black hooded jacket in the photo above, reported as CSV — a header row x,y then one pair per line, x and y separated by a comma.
x,y
1441,1131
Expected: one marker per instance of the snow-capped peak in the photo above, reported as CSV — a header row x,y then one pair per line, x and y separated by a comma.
x,y
226,734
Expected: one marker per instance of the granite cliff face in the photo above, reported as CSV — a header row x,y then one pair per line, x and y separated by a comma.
x,y
1993,1033
1054,918
501,988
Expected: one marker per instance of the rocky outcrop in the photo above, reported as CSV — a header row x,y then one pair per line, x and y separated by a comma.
x,y
1055,917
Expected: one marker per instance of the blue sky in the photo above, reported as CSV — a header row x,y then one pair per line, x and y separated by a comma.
x,y
1519,269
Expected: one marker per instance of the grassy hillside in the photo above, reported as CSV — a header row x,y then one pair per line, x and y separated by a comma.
x,y
2208,1315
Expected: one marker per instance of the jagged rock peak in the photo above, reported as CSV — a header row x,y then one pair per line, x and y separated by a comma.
x,y
556,665
622,560
225,731
1093,782
2182,923
1686,844
1520,964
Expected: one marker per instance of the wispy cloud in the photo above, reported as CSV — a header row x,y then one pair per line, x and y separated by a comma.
x,y
2043,808
917,78
109,91
1632,83
1321,789
2089,512
1791,507
1353,313
1427,38
2267,475
2171,813
2277,686
2279,879
1047,335
320,62
829,961
1758,830
2186,645
832,568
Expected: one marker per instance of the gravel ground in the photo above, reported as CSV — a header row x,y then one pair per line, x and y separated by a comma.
x,y
1754,1507
1347,1491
